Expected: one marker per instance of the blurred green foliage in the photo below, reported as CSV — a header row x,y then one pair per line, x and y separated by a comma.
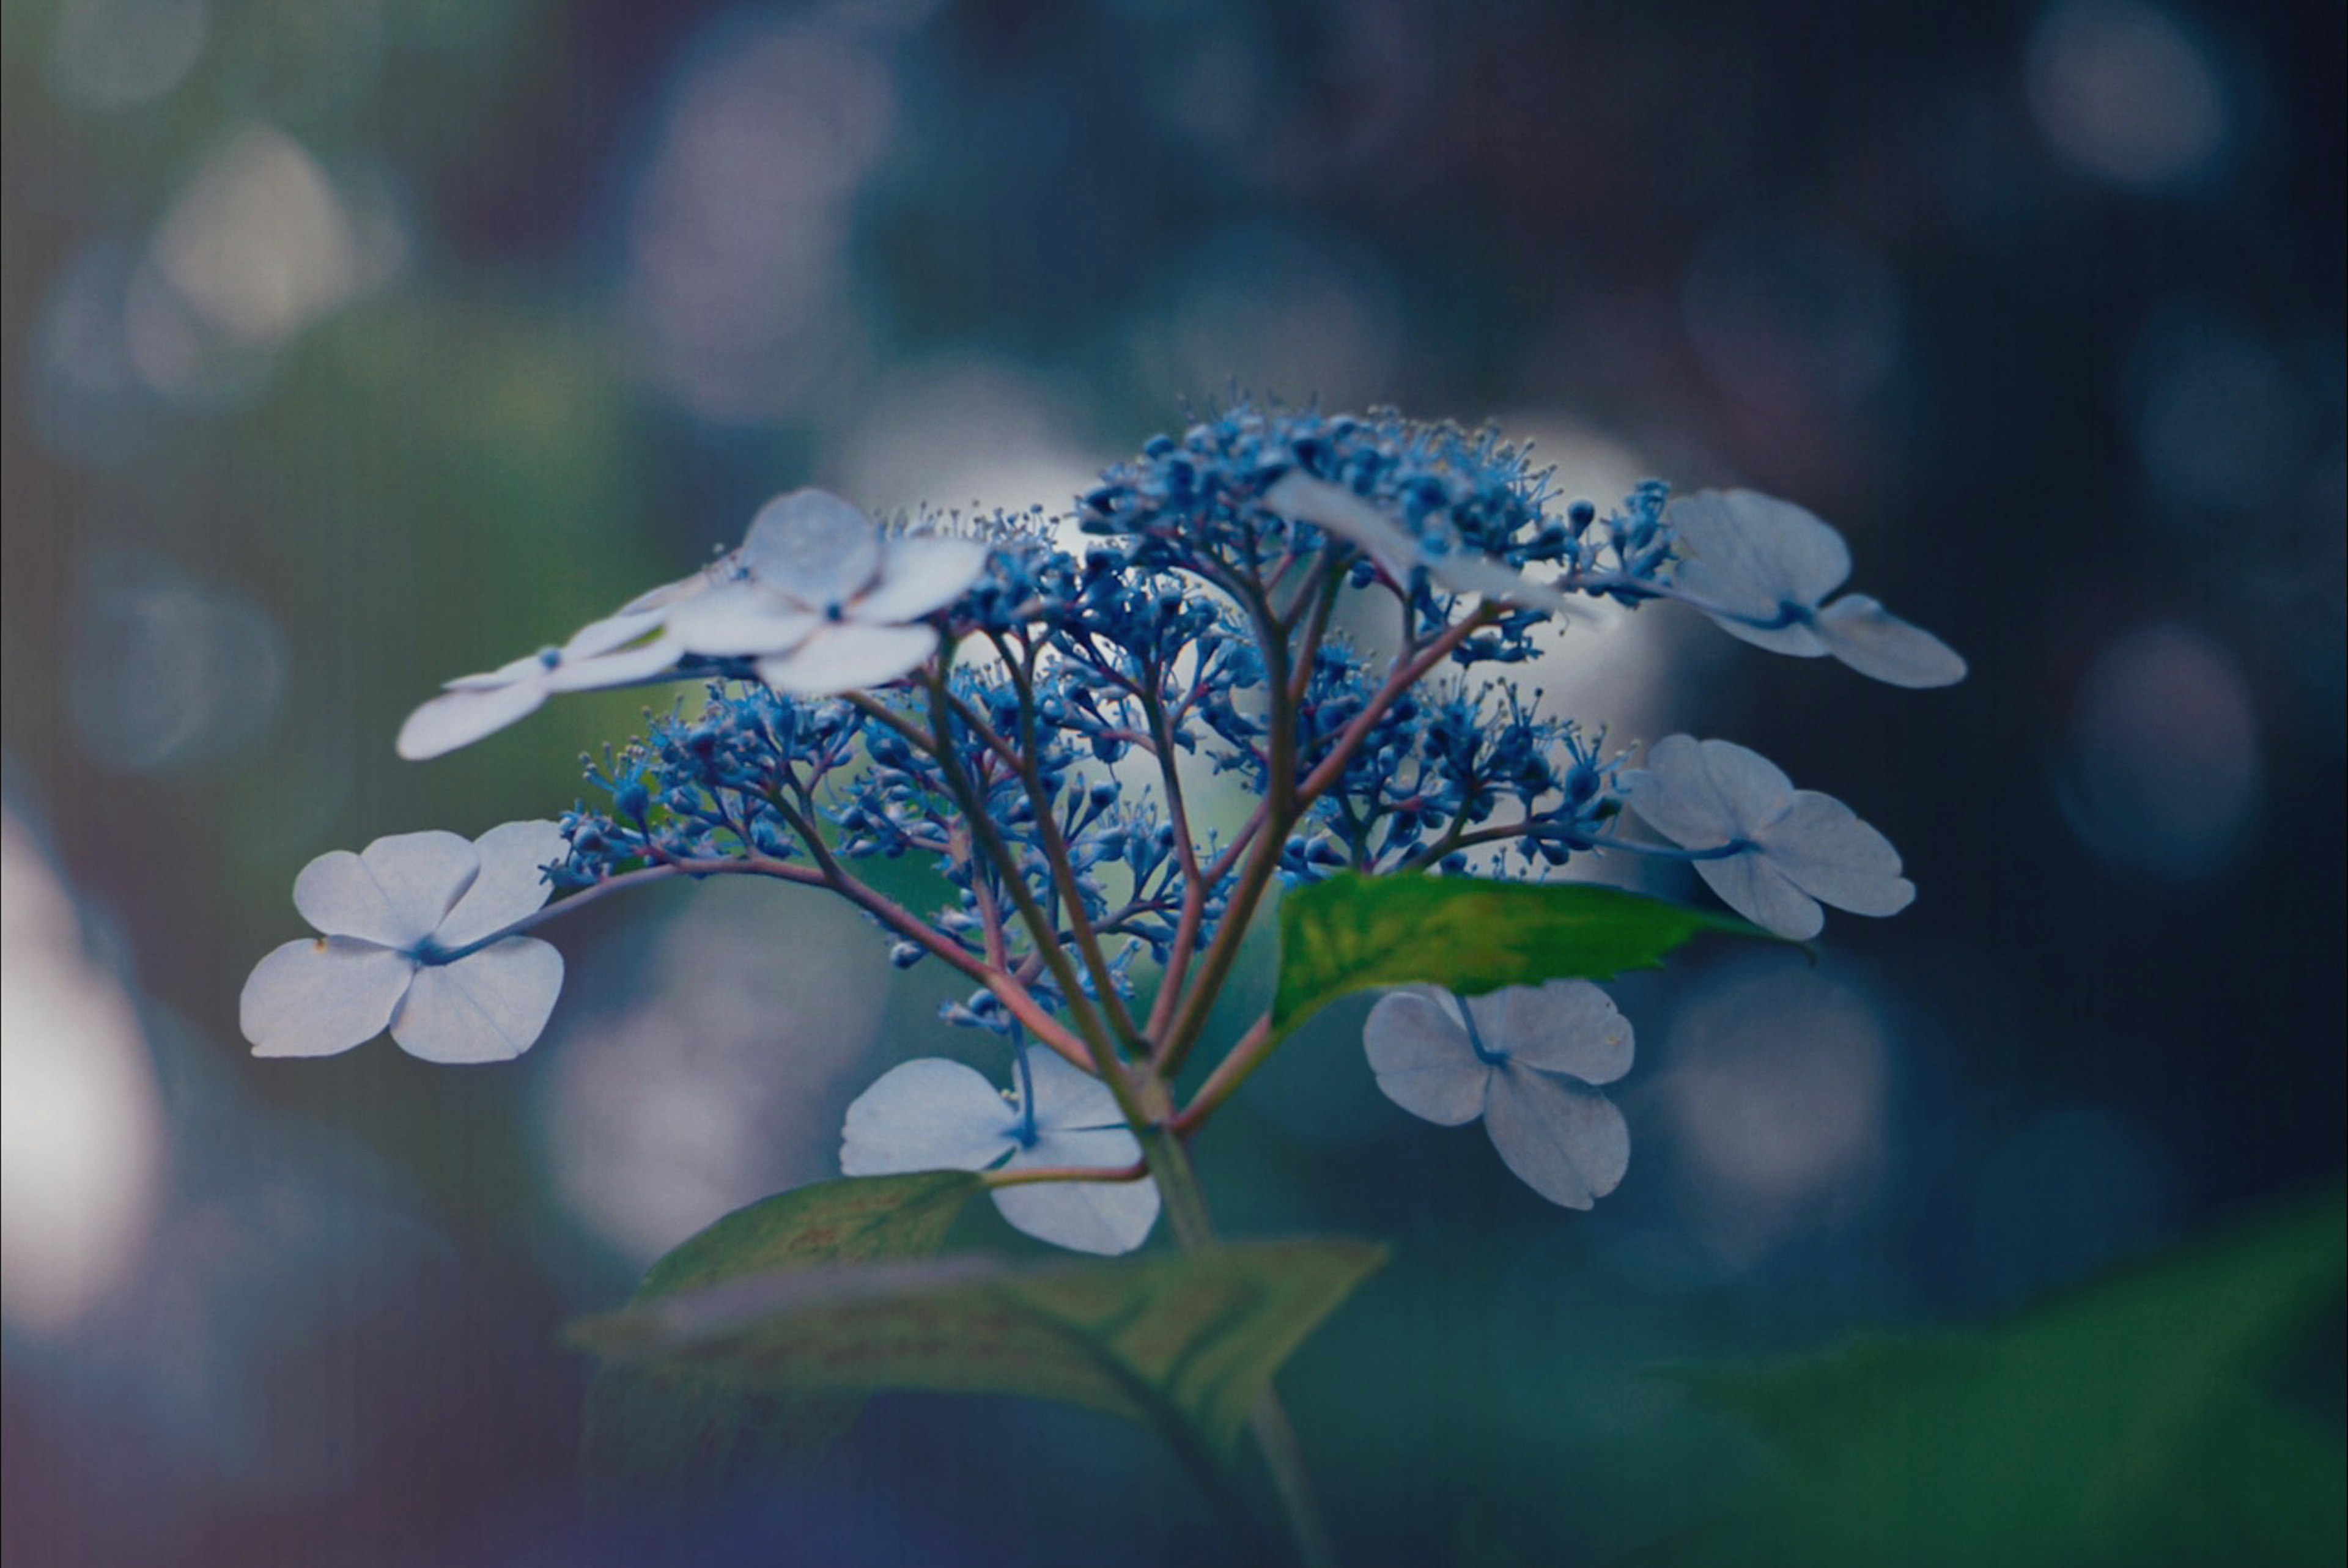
x,y
1184,1342
659,1431
2131,1420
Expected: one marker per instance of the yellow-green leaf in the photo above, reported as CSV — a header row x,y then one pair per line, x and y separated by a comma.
x,y
1353,932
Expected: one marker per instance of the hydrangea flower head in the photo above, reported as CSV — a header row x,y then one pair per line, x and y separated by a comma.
x,y
932,1114
1528,1059
1762,569
1048,782
1780,851
410,939
827,602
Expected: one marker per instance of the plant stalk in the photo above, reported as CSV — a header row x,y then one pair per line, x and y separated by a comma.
x,y
1193,1228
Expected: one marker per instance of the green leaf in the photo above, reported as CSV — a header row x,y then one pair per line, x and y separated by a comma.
x,y
652,1430
1353,932
1184,1341
2119,1423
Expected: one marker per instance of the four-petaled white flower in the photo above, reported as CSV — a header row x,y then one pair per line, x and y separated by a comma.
x,y
1300,497
631,644
1526,1060
829,603
937,1115
1762,568
410,939
1785,850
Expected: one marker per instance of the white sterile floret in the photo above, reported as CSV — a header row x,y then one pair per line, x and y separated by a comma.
x,y
829,603
631,644
1526,1060
939,1115
1762,568
411,940
1397,551
1790,849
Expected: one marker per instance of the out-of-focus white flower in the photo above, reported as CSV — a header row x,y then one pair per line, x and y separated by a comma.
x,y
1762,568
829,603
410,939
1780,851
1398,552
937,1115
1526,1060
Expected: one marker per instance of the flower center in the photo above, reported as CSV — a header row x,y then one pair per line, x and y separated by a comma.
x,y
1025,1130
1484,1053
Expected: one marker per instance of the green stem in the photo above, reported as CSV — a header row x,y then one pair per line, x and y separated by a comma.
x,y
1177,1186
1193,1228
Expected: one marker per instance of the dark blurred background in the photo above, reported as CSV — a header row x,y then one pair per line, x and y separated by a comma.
x,y
352,346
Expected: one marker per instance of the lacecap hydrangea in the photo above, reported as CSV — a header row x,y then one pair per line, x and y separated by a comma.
x,y
1041,714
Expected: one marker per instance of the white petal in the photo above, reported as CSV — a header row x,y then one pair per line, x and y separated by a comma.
x,y
1563,1139
1752,885
622,667
669,595
918,574
1702,795
1825,849
1754,553
511,885
320,995
1423,1058
613,632
813,546
1107,1217
1471,571
1755,789
926,1115
521,671
1300,497
1674,795
422,875
1877,643
1381,535
338,894
1796,641
488,1007
394,892
740,620
847,656
1069,1099
458,718
1563,1026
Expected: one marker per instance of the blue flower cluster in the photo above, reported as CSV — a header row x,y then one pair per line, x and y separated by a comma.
x,y
1441,772
711,785
757,775
1198,505
1109,667
1199,499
